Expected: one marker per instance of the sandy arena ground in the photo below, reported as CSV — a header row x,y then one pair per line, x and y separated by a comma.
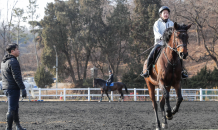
x,y
110,116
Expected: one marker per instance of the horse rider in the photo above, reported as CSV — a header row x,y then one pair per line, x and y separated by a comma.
x,y
12,83
159,27
110,80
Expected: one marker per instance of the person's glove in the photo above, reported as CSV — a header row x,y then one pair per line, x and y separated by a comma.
x,y
23,93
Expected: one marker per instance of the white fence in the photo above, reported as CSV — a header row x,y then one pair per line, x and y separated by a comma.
x,y
188,94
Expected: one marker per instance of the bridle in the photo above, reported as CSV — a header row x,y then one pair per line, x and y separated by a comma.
x,y
176,47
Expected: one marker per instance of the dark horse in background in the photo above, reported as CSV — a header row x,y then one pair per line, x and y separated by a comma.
x,y
117,86
167,71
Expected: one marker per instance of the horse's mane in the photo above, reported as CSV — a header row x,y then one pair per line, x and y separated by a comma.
x,y
168,32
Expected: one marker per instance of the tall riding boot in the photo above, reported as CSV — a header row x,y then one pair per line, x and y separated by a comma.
x,y
146,74
184,76
150,60
9,118
17,122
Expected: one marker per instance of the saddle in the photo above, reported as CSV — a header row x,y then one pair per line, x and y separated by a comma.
x,y
112,84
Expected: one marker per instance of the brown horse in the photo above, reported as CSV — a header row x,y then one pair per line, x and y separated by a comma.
x,y
167,71
117,86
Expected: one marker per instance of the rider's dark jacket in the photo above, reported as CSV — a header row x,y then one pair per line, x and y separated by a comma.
x,y
111,78
11,73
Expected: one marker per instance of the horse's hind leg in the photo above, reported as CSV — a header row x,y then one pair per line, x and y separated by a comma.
x,y
108,96
102,92
179,99
166,95
151,89
121,95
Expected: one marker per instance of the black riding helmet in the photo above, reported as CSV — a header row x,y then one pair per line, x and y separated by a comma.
x,y
163,8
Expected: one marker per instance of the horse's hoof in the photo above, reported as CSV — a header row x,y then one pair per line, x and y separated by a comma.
x,y
164,126
157,128
99,101
109,100
174,112
169,118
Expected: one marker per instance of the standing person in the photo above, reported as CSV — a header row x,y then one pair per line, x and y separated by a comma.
x,y
110,80
159,27
12,84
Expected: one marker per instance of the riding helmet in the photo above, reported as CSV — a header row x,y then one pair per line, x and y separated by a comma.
x,y
110,71
163,8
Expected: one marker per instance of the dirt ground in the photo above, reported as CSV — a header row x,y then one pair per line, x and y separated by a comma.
x,y
110,116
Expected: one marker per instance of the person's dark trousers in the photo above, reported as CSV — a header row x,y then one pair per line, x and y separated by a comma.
x,y
150,60
13,106
108,85
9,119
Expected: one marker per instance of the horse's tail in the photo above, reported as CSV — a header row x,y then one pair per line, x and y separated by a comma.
x,y
126,89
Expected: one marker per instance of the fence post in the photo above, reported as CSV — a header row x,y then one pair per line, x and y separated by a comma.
x,y
201,95
134,94
64,94
158,94
88,94
39,93
112,94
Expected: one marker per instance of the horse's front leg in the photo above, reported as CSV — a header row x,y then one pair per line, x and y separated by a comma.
x,y
108,96
166,95
102,92
164,120
179,99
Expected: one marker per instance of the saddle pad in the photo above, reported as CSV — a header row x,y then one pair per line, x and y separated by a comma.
x,y
112,84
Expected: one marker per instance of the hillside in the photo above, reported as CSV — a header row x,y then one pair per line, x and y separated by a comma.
x,y
192,66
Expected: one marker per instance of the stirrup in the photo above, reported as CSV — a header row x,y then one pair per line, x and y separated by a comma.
x,y
184,76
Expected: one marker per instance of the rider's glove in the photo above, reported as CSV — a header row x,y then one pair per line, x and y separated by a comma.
x,y
23,93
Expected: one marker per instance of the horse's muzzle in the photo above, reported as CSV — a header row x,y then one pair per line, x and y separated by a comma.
x,y
182,55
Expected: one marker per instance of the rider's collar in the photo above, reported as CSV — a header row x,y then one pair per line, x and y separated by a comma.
x,y
164,20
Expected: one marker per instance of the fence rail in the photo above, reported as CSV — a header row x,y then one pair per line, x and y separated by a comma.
x,y
189,93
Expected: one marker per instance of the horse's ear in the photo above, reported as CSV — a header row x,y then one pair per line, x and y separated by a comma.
x,y
176,25
188,26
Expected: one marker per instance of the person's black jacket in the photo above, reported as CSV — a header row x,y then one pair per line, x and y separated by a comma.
x,y
11,74
111,78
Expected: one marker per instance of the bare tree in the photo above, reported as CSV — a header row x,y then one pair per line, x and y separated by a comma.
x,y
32,15
203,14
4,38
